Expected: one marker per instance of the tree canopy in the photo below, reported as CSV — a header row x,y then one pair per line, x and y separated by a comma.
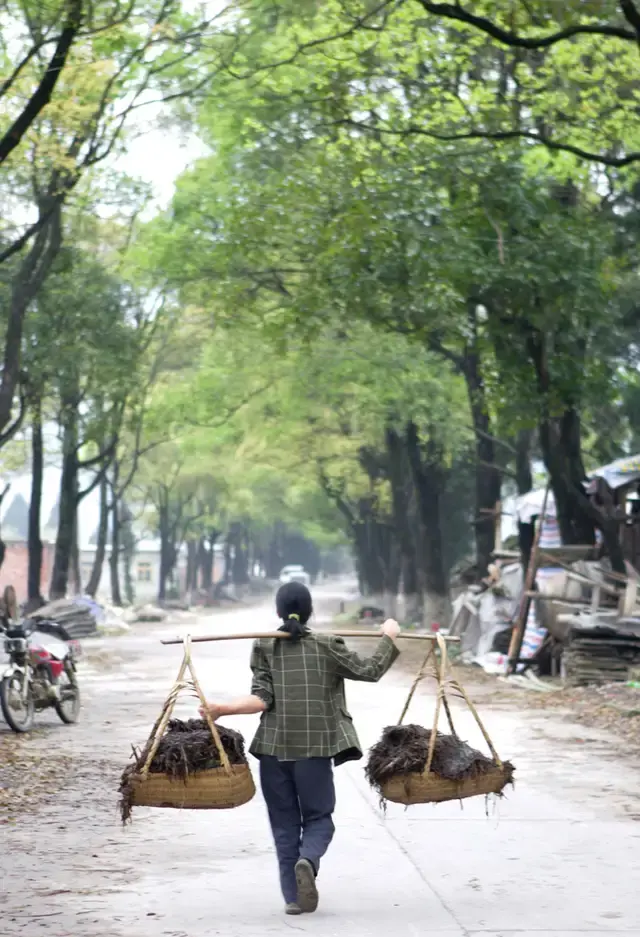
x,y
405,271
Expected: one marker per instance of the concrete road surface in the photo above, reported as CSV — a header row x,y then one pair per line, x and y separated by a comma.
x,y
559,857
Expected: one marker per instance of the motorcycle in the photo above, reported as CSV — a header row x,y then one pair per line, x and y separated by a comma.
x,y
41,673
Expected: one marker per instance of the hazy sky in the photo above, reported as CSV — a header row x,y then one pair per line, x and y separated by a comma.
x,y
158,156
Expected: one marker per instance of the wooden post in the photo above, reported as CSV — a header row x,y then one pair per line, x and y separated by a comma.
x,y
497,544
517,636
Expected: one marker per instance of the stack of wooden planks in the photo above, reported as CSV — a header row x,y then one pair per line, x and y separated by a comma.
x,y
75,615
600,655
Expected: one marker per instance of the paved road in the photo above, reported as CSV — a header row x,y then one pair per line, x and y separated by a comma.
x,y
559,858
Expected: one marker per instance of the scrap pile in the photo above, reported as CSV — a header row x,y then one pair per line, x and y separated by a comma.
x,y
79,617
397,768
186,749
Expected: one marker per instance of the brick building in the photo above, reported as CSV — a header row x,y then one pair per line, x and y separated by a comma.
x,y
14,515
15,568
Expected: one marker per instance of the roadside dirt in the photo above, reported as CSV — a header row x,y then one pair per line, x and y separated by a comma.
x,y
613,709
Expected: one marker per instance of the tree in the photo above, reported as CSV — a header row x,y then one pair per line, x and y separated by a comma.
x,y
41,27
89,363
316,419
524,77
178,501
112,59
475,258
400,272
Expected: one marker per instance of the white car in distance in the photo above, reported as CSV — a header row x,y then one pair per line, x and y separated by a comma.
x,y
295,574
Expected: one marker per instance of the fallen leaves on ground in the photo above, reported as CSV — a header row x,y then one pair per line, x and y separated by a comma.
x,y
27,778
613,707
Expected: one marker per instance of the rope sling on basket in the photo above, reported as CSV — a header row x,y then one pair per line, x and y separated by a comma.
x,y
414,765
213,788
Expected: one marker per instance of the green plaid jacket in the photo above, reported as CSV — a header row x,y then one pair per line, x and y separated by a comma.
x,y
302,684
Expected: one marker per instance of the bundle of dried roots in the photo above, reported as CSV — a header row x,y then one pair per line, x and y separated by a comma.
x,y
186,748
403,750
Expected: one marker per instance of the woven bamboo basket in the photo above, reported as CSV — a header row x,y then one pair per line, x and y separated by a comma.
x,y
430,788
427,787
213,789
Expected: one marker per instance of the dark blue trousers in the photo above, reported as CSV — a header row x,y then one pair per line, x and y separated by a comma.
x,y
300,798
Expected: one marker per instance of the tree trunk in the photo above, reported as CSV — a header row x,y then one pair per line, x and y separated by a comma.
x,y
74,571
274,560
3,546
210,568
487,476
251,556
429,479
577,515
560,441
129,591
400,481
393,576
127,548
114,557
29,278
205,565
378,557
412,592
101,545
168,552
370,568
191,584
164,535
34,584
488,481
41,94
240,569
68,504
383,547
524,475
228,559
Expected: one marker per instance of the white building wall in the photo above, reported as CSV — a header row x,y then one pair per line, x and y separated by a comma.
x,y
145,570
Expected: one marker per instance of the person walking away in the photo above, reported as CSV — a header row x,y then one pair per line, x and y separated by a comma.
x,y
305,728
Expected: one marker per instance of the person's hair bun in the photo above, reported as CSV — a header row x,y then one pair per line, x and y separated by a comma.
x,y
294,607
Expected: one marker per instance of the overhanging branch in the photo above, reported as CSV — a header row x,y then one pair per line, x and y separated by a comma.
x,y
42,95
455,11
536,138
632,16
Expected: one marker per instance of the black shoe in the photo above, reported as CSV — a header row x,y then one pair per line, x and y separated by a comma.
x,y
307,889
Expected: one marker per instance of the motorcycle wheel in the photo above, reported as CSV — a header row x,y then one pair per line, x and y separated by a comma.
x,y
68,707
18,717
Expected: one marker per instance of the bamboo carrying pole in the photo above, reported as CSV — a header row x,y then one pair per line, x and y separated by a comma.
x,y
517,636
257,635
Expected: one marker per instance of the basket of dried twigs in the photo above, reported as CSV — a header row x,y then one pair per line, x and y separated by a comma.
x,y
189,765
414,765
